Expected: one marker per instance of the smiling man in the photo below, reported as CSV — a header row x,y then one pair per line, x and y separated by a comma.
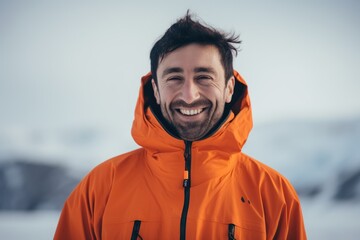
x,y
191,89
189,179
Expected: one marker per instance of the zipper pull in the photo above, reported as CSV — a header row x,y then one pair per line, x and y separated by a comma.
x,y
187,156
186,179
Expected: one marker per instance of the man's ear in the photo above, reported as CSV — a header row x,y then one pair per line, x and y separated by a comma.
x,y
156,91
229,89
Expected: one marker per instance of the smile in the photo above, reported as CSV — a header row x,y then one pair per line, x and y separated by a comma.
x,y
190,112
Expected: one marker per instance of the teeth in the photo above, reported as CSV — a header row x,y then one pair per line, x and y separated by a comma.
x,y
190,112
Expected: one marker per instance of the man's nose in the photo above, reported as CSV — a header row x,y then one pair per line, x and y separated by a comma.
x,y
190,91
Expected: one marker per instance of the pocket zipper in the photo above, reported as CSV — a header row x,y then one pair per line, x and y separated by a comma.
x,y
231,231
136,229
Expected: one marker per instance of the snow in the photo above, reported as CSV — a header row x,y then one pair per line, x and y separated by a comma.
x,y
331,221
39,225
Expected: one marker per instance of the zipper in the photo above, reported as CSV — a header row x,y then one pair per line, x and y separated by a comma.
x,y
231,232
136,229
186,185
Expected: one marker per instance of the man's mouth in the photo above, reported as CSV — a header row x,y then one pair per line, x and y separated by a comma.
x,y
190,112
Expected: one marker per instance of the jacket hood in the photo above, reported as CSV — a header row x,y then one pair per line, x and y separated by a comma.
x,y
150,131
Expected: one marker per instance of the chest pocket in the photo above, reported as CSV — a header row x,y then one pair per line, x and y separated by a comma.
x,y
202,229
139,230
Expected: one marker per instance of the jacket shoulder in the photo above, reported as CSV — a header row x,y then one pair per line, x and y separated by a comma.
x,y
267,178
108,168
99,180
120,159
276,196
82,211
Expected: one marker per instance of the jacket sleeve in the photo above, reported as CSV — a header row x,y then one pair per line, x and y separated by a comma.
x,y
82,213
291,224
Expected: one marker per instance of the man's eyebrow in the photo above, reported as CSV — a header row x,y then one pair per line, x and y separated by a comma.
x,y
172,70
204,69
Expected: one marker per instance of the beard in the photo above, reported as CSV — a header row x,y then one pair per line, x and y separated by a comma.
x,y
192,130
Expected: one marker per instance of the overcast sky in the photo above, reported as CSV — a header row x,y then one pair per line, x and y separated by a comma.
x,y
74,64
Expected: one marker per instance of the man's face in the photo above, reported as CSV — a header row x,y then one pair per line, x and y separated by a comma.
x,y
191,89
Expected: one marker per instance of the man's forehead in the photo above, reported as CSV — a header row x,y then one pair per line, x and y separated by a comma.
x,y
191,50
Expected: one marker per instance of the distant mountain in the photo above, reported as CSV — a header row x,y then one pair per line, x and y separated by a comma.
x,y
26,185
321,159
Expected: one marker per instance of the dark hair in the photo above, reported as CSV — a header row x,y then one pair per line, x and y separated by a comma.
x,y
186,31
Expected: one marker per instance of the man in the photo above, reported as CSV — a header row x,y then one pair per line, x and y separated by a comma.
x,y
189,179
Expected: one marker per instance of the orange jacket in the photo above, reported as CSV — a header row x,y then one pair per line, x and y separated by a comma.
x,y
146,193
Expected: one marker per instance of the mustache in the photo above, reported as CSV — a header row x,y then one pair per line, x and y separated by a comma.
x,y
183,104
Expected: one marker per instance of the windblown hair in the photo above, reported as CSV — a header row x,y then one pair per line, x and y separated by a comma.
x,y
186,31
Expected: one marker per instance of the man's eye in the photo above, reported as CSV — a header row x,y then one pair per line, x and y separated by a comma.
x,y
203,77
174,79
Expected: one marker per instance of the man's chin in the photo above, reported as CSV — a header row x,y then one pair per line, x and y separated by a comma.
x,y
191,135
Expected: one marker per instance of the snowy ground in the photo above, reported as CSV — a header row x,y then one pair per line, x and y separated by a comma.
x,y
37,225
324,221
330,221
